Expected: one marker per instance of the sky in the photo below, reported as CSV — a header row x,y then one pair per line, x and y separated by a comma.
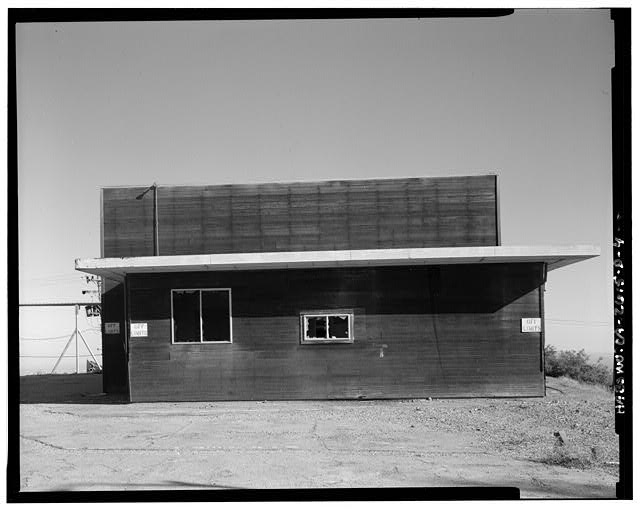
x,y
526,96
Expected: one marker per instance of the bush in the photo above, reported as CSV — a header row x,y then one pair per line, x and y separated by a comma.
x,y
559,456
576,365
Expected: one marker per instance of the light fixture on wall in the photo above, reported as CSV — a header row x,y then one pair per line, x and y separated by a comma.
x,y
154,187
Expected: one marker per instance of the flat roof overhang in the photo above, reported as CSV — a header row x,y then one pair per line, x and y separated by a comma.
x,y
554,256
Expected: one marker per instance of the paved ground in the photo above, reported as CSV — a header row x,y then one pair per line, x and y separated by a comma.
x,y
110,446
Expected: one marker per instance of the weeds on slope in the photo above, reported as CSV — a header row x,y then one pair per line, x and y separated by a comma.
x,y
576,365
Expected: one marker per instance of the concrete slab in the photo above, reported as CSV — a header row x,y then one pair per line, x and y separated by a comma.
x,y
317,444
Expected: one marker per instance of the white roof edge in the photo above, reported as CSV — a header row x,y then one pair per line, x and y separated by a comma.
x,y
555,256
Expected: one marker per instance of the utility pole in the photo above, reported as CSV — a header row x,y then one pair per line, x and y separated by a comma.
x,y
94,310
156,249
76,335
97,282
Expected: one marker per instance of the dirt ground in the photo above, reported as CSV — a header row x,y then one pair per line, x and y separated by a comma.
x,y
74,438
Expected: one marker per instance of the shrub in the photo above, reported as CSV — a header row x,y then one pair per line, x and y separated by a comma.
x,y
576,365
559,456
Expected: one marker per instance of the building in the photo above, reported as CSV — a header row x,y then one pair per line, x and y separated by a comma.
x,y
391,288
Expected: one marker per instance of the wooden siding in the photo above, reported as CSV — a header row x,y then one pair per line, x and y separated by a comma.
x,y
114,359
447,331
330,215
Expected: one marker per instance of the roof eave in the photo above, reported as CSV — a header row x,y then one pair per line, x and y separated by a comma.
x,y
554,256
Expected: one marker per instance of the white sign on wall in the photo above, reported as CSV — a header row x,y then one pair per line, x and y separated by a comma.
x,y
112,328
532,325
138,329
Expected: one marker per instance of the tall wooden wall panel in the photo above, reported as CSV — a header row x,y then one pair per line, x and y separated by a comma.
x,y
330,215
114,358
127,223
430,331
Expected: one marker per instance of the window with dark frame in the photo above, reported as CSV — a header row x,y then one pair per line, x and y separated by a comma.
x,y
201,316
326,327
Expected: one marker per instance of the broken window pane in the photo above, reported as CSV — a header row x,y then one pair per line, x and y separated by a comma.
x,y
316,327
339,326
325,328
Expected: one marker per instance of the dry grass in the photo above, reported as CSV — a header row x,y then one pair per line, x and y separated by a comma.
x,y
582,413
596,391
562,456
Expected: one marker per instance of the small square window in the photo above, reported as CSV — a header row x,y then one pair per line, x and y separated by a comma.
x,y
326,327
